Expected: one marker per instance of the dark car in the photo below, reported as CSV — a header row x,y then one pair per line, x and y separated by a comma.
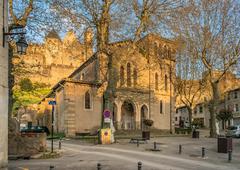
x,y
35,129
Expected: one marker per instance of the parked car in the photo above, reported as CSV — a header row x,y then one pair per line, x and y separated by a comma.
x,y
35,129
233,131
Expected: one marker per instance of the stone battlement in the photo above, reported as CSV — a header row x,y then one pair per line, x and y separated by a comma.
x,y
55,59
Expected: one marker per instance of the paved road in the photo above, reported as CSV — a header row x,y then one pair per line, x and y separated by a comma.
x,y
116,157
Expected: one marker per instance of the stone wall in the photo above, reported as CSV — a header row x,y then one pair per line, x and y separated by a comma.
x,y
26,144
71,115
3,90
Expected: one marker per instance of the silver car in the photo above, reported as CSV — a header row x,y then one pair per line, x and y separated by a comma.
x,y
233,131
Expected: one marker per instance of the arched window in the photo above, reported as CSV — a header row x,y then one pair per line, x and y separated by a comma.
x,y
135,77
129,82
166,82
156,81
121,76
160,51
82,76
165,51
169,53
87,100
161,107
155,49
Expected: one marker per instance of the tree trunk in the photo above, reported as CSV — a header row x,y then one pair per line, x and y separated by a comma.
x,y
110,91
190,116
102,47
223,125
212,109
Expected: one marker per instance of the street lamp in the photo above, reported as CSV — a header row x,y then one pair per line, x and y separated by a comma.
x,y
21,46
21,43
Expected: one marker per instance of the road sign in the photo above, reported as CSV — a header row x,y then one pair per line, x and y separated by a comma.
x,y
52,102
106,114
107,120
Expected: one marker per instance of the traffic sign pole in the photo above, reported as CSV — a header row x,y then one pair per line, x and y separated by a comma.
x,y
52,102
52,127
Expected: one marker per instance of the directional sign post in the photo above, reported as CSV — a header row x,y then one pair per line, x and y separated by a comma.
x,y
53,103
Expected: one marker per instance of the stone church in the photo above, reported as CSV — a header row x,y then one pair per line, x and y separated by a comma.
x,y
143,73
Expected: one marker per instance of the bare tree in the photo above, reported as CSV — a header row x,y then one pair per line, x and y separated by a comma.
x,y
22,19
188,87
212,27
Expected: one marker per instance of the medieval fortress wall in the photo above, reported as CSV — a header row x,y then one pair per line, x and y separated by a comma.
x,y
56,58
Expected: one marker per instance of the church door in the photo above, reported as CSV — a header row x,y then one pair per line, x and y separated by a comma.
x,y
128,118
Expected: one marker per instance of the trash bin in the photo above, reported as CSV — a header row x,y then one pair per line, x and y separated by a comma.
x,y
224,144
146,135
195,134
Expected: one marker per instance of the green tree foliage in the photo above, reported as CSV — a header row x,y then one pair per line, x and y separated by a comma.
x,y
26,85
28,93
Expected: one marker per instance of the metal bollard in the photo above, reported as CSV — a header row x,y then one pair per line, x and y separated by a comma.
x,y
203,152
51,167
180,149
139,165
137,143
155,145
99,167
60,144
229,156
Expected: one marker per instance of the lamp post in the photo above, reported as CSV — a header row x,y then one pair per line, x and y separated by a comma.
x,y
21,43
21,46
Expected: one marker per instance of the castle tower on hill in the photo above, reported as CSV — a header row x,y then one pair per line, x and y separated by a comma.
x,y
56,58
70,38
52,47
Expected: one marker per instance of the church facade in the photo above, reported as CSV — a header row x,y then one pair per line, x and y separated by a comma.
x,y
143,72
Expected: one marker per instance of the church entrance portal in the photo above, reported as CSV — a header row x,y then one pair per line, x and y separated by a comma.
x,y
128,116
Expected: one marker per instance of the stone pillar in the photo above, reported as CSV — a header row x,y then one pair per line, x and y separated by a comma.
x,y
3,89
119,116
137,117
